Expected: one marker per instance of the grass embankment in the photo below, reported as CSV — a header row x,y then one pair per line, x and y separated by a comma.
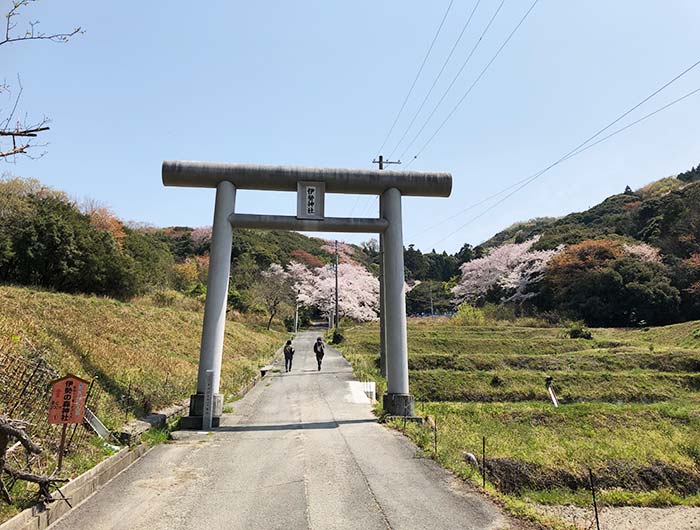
x,y
630,407
143,357
137,348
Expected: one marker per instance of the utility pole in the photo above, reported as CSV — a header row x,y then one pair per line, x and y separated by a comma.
x,y
382,329
296,313
336,284
431,298
381,162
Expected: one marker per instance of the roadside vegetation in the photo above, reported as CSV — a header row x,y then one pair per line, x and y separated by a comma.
x,y
136,349
629,406
141,356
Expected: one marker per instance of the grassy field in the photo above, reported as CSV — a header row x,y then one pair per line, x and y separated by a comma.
x,y
630,407
140,351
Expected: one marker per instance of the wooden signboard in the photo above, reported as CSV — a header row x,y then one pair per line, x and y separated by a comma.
x,y
68,396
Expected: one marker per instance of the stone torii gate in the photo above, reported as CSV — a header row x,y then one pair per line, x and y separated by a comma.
x,y
311,185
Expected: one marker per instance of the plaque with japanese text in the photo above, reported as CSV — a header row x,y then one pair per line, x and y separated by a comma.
x,y
310,200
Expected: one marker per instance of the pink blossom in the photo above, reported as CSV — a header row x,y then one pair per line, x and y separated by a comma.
x,y
358,289
644,252
513,267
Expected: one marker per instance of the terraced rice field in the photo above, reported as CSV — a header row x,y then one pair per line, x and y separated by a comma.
x,y
630,407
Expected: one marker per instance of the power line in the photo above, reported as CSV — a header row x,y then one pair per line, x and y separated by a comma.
x,y
410,90
456,76
437,78
471,87
571,154
576,149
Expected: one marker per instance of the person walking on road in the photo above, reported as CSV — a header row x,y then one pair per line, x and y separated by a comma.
x,y
288,356
318,350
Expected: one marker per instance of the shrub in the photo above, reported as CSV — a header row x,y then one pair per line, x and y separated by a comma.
x,y
288,322
493,311
164,298
468,315
337,337
579,331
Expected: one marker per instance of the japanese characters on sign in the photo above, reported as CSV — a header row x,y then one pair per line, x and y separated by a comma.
x,y
68,396
310,200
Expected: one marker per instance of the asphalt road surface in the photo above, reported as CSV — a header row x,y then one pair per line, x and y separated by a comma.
x,y
300,451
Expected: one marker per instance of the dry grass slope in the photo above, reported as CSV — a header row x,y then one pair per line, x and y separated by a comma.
x,y
151,351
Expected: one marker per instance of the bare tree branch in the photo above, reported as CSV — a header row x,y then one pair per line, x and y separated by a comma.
x,y
21,150
31,32
24,132
16,429
22,128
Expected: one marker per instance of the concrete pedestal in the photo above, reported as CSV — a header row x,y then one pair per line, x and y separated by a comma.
x,y
399,404
193,421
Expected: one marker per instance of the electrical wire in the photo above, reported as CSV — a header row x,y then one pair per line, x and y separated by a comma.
x,y
437,78
410,91
415,80
471,87
579,146
580,149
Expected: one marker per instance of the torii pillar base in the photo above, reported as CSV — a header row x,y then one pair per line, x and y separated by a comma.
x,y
193,421
399,405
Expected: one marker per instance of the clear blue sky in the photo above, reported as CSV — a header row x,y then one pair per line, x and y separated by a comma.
x,y
319,83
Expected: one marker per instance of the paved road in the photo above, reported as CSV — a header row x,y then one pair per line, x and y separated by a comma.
x,y
300,451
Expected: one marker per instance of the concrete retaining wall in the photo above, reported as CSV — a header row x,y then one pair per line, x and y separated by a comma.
x,y
77,490
132,432
39,517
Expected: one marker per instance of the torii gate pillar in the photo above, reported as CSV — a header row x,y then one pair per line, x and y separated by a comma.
x,y
212,345
311,184
397,400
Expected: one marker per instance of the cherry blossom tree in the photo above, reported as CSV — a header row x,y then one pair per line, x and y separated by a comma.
x,y
201,238
527,273
358,289
346,252
273,289
512,267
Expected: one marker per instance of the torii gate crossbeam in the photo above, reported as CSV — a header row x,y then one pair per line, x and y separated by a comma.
x,y
227,178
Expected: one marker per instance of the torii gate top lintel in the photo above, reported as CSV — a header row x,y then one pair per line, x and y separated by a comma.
x,y
285,178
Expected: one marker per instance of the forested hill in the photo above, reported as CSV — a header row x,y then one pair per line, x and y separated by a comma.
x,y
50,241
664,214
263,247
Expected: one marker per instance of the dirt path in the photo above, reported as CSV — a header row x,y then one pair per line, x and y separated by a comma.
x,y
629,517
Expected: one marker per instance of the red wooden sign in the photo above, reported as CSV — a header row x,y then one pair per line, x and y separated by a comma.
x,y
68,396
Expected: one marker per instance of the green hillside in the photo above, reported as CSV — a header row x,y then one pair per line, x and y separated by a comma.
x,y
664,214
49,240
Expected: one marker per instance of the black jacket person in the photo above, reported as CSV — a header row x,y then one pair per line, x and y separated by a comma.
x,y
318,350
288,356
